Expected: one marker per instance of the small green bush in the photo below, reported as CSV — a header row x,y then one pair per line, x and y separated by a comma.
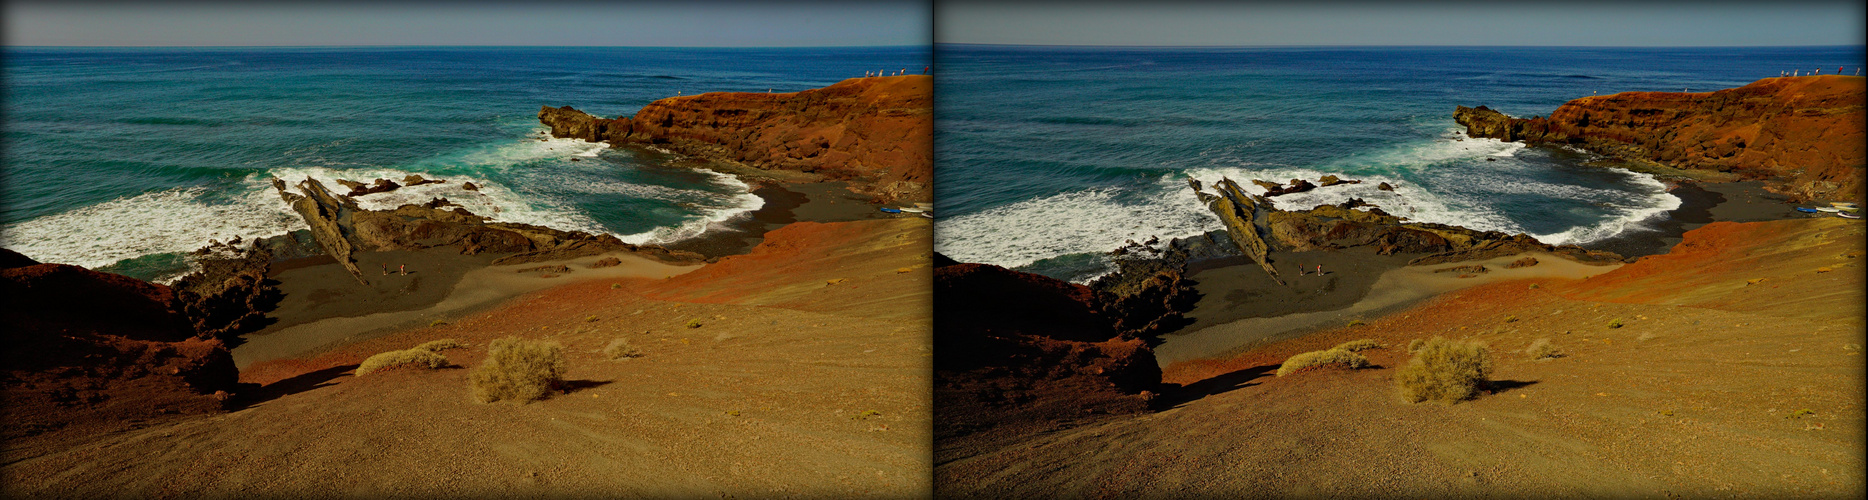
x,y
1617,323
614,286
1511,319
437,323
1542,349
1445,371
440,345
518,369
1358,345
416,357
694,323
620,348
1314,359
1355,323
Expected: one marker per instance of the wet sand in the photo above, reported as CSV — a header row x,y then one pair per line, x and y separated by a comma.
x,y
327,307
785,203
1702,203
1395,287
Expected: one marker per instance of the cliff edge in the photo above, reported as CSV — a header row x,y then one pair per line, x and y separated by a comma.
x,y
876,132
1804,133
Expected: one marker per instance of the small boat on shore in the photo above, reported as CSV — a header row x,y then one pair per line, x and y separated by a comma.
x,y
891,210
1828,209
1845,205
1806,210
1847,215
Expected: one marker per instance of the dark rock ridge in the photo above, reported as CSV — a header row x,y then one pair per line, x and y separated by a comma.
x,y
342,228
874,132
1804,133
87,351
1256,228
230,294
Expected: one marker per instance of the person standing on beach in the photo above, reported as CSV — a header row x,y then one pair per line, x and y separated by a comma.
x,y
1319,269
403,269
924,69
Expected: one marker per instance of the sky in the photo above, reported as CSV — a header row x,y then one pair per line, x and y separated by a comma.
x,y
562,23
1336,22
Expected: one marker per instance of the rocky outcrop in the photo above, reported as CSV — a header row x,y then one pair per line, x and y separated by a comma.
x,y
342,228
230,294
91,350
1237,210
874,132
1021,349
1804,133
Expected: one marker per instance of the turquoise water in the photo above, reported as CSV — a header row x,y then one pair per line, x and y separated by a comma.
x,y
122,159
1050,156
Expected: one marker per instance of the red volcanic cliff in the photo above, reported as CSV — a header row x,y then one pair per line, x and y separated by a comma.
x,y
876,132
1017,351
91,350
1804,132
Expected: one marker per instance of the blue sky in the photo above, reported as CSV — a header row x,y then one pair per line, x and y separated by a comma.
x,y
1331,22
586,23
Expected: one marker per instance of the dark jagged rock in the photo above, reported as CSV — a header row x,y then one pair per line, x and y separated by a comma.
x,y
230,294
606,262
323,211
1342,226
470,186
413,180
1384,187
1237,210
379,186
1148,293
1806,133
340,226
1331,180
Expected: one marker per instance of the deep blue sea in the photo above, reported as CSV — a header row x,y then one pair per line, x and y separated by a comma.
x,y
124,158
1051,156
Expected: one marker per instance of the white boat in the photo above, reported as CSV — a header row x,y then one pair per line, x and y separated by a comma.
x,y
912,210
1845,205
1828,209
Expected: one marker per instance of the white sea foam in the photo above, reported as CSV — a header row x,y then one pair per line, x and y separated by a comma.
x,y
1086,221
1656,201
168,221
741,203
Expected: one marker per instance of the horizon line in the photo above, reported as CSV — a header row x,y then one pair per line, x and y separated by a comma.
x,y
1387,46
11,46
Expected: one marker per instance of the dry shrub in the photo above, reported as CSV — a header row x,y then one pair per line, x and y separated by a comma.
x,y
1444,370
1541,349
620,348
1358,345
417,357
1314,359
518,369
440,345
1413,346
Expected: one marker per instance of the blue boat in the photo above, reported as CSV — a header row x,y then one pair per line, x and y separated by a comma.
x,y
1806,210
891,210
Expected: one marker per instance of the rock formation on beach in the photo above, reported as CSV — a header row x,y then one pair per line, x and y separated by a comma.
x,y
875,132
91,351
342,228
1805,133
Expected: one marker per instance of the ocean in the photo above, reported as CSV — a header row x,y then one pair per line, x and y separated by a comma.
x,y
1049,157
124,159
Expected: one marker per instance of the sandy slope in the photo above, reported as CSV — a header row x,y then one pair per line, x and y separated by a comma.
x,y
796,390
1693,397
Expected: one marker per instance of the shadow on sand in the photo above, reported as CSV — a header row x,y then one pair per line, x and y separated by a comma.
x,y
253,396
1220,384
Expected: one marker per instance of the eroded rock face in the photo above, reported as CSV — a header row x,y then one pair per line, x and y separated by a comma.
x,y
86,348
1017,347
231,294
874,132
1806,133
